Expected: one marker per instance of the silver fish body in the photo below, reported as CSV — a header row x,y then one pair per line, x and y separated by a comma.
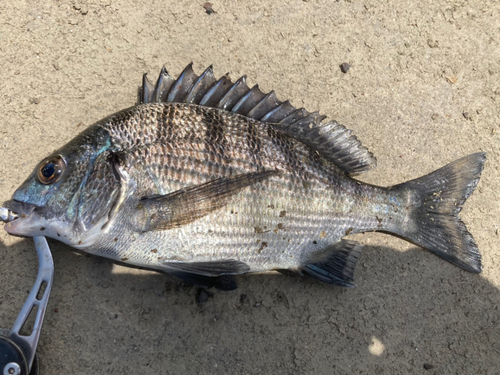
x,y
202,191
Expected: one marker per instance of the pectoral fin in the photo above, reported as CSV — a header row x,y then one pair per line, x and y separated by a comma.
x,y
184,206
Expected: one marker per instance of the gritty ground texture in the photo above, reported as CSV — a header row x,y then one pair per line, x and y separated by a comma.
x,y
423,89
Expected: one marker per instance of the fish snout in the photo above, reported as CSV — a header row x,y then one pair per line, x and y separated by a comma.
x,y
16,216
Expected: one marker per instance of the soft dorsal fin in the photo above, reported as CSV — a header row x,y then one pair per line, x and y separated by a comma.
x,y
332,140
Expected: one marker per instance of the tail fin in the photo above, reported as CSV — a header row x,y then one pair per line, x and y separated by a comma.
x,y
437,199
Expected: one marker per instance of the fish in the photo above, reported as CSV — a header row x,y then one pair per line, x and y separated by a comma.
x,y
206,178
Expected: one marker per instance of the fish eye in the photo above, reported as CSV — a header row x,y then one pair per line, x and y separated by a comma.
x,y
50,170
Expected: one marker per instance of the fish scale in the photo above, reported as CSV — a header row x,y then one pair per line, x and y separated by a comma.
x,y
206,178
301,221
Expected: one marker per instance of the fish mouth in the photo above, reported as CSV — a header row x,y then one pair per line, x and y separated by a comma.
x,y
28,220
17,217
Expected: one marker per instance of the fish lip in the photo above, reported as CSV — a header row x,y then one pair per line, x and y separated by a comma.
x,y
21,209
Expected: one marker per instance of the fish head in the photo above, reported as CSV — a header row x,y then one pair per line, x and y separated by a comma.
x,y
69,194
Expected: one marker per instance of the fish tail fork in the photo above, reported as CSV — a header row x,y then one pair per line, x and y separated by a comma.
x,y
433,203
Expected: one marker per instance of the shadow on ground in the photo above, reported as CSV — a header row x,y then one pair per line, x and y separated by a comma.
x,y
117,320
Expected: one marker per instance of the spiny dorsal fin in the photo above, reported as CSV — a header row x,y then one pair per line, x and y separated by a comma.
x,y
332,140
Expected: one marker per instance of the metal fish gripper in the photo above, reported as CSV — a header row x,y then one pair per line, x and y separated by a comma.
x,y
18,350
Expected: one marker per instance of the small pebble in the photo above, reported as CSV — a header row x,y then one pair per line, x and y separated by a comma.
x,y
344,67
243,298
452,79
466,115
208,8
432,43
428,366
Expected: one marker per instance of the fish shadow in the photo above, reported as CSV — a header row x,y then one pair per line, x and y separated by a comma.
x,y
409,310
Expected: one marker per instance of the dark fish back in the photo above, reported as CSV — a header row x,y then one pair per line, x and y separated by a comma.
x,y
332,140
235,97
207,141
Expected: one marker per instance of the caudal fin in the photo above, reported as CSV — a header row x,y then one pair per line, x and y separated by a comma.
x,y
437,199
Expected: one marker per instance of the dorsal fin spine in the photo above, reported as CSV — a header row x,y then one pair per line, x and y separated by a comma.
x,y
248,101
242,100
260,108
159,84
238,89
286,108
147,89
209,99
201,86
158,94
182,86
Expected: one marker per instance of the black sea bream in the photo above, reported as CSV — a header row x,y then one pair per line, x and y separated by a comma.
x,y
207,178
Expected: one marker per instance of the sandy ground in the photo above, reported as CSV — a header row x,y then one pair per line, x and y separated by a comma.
x,y
423,90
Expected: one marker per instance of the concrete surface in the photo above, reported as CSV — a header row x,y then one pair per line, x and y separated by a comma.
x,y
423,89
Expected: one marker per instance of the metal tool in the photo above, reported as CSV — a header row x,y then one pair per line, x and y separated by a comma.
x,y
18,351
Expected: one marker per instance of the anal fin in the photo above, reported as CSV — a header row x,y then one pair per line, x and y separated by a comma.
x,y
336,265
